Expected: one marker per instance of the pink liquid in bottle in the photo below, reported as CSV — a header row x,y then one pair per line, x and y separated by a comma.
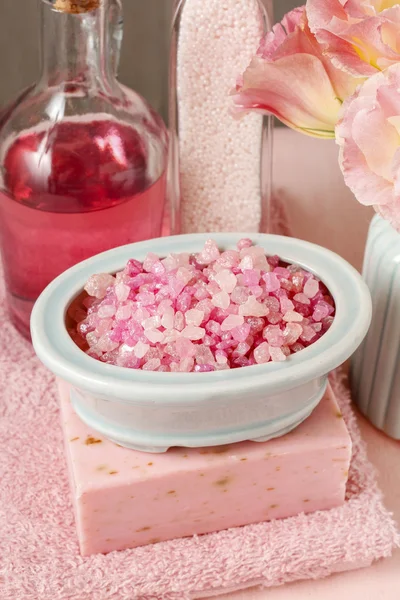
x,y
70,192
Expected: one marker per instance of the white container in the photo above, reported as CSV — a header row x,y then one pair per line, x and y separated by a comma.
x,y
375,373
153,411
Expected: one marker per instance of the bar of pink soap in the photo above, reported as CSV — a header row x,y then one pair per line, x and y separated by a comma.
x,y
123,498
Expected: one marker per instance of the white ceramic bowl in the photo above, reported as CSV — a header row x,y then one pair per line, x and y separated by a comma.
x,y
153,411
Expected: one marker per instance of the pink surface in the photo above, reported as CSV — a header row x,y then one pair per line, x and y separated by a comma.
x,y
39,557
125,499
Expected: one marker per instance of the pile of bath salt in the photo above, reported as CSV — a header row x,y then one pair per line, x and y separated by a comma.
x,y
203,312
219,155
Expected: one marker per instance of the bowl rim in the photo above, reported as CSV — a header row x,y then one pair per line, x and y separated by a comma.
x,y
60,354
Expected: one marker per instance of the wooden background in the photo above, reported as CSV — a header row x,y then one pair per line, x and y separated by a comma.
x,y
145,51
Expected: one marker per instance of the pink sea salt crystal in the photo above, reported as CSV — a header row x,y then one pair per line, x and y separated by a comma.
x,y
297,347
226,280
185,348
242,361
122,292
262,353
133,267
256,291
141,349
104,326
184,275
97,285
210,340
194,317
286,305
149,261
273,335
221,357
253,308
221,300
152,365
201,291
167,319
222,367
105,344
291,333
170,263
272,283
145,298
186,365
209,253
213,327
206,306
256,324
204,356
213,288
302,298
240,295
308,334
151,322
311,287
124,312
272,303
171,335
231,322
292,316
183,302
241,349
107,310
204,368
240,334
163,306
229,259
244,243
250,278
175,286
282,272
154,336
246,264
183,259
321,311
276,354
193,333
179,321
158,268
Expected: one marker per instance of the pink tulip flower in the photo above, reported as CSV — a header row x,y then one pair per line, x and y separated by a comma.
x,y
292,79
368,134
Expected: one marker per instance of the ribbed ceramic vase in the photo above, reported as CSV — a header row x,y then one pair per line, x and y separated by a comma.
x,y
375,374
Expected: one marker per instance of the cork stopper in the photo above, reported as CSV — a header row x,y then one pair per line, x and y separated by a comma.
x,y
76,7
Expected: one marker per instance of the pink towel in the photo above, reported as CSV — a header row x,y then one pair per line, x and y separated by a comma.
x,y
39,556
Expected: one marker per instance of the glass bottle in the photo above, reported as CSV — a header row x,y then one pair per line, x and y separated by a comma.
x,y
82,158
220,167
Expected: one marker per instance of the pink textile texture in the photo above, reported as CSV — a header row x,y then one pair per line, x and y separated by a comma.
x,y
39,557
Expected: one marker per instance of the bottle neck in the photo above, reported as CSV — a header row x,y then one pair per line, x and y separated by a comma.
x,y
77,47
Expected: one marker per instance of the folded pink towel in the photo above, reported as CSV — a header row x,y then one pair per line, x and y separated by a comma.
x,y
39,556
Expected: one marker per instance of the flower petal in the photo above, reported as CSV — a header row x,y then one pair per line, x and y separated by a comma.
x,y
292,79
360,37
368,134
287,88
